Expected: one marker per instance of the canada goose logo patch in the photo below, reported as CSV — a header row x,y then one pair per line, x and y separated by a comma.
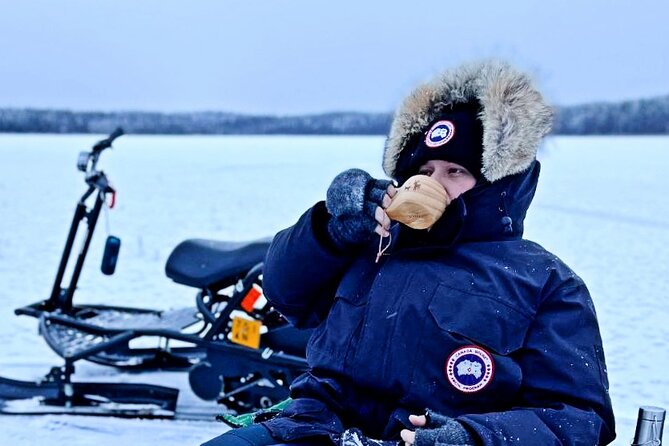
x,y
440,133
470,369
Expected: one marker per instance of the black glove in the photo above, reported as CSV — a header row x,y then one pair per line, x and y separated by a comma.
x,y
441,430
351,200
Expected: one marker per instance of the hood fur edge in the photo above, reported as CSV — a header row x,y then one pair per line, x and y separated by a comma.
x,y
513,113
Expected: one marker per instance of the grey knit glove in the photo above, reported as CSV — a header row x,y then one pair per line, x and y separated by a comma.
x,y
441,430
351,200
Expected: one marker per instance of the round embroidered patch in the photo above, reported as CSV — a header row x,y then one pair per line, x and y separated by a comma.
x,y
440,133
470,368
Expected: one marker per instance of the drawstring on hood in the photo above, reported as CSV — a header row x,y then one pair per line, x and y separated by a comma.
x,y
497,210
507,222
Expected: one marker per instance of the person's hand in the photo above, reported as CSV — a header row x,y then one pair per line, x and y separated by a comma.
x,y
435,429
408,436
356,202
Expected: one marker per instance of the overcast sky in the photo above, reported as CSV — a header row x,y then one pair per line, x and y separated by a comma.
x,y
303,56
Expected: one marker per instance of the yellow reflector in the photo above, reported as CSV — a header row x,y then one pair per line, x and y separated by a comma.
x,y
246,332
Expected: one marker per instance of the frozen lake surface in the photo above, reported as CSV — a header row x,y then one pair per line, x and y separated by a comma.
x,y
601,206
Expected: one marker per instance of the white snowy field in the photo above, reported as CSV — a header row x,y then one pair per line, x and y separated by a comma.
x,y
601,206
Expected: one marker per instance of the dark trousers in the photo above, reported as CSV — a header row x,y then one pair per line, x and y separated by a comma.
x,y
253,435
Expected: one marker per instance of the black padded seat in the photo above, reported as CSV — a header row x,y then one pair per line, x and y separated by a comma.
x,y
213,264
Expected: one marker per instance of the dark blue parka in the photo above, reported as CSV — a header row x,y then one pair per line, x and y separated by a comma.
x,y
386,333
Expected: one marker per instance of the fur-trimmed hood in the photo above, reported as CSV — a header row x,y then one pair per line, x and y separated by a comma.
x,y
513,113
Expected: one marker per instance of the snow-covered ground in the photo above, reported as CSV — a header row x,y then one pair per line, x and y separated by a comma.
x,y
601,206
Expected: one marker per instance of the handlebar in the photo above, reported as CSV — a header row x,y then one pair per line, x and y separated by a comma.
x,y
107,142
88,162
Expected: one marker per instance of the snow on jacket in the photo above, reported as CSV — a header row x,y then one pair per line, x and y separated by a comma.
x,y
468,319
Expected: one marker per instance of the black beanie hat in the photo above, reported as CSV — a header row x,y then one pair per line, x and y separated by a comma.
x,y
455,135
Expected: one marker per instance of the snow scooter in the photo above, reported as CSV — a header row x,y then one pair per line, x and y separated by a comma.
x,y
237,349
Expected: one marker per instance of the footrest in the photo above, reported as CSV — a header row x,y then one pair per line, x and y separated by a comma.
x,y
69,342
103,334
122,319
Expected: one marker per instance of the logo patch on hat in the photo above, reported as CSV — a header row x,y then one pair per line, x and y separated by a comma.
x,y
440,133
470,369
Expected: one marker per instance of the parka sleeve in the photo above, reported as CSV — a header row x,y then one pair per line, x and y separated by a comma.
x,y
564,396
303,269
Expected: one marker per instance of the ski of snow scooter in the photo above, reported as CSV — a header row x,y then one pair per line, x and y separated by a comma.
x,y
54,394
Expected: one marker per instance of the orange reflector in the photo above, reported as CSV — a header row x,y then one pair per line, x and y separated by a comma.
x,y
251,298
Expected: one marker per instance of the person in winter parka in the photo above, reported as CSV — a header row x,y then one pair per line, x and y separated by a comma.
x,y
464,334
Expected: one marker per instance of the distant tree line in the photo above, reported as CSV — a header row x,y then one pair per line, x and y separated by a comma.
x,y
646,116
207,123
639,117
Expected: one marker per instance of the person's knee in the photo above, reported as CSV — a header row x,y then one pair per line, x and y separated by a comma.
x,y
254,435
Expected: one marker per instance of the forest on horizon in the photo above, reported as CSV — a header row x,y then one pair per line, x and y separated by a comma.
x,y
634,117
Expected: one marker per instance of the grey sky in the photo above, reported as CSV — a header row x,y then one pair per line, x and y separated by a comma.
x,y
300,56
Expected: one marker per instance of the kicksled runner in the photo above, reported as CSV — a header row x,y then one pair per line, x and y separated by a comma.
x,y
236,349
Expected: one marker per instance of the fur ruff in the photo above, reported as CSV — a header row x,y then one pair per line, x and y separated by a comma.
x,y
514,115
